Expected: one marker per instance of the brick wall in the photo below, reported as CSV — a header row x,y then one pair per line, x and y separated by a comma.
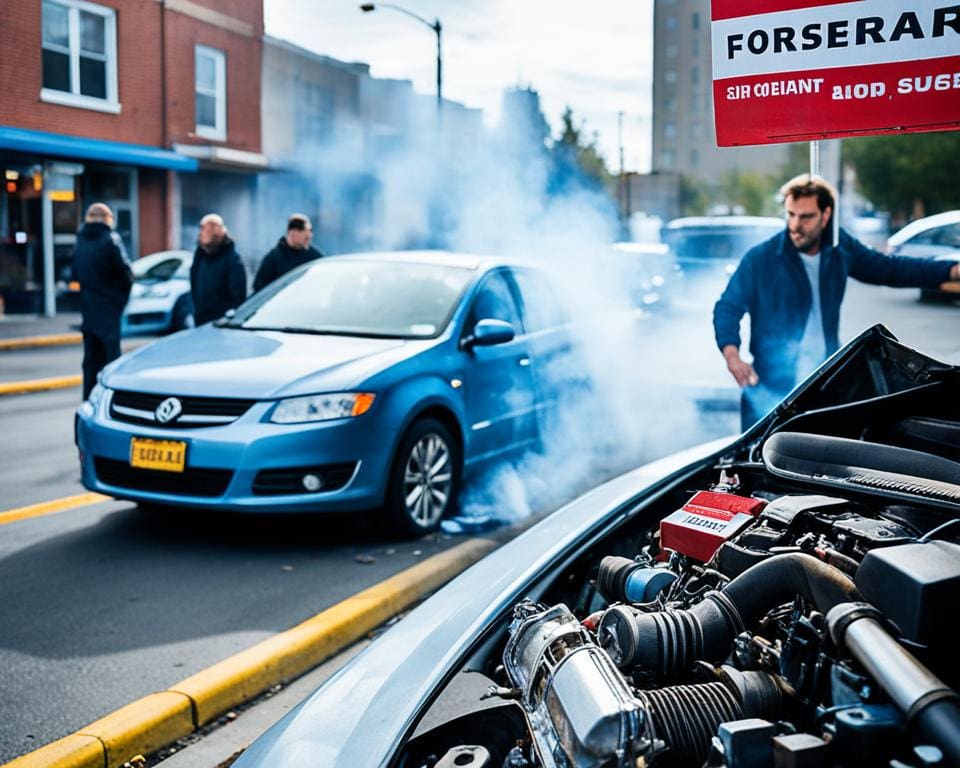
x,y
243,58
138,78
153,210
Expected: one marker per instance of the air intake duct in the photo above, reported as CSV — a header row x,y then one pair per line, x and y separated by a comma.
x,y
665,642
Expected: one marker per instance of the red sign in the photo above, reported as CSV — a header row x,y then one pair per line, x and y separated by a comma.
x,y
792,70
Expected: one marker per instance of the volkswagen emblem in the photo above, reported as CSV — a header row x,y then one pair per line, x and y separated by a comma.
x,y
168,410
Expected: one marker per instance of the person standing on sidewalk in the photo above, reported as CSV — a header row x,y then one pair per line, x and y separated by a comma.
x,y
291,251
101,267
218,279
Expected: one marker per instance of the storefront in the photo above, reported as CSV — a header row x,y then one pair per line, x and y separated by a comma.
x,y
49,179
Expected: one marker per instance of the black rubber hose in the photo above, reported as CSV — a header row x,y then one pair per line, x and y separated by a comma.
x,y
667,641
940,724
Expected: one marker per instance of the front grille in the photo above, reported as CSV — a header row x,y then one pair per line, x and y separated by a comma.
x,y
192,481
273,482
139,407
142,318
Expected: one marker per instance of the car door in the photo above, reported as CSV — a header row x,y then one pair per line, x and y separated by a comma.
x,y
498,385
559,376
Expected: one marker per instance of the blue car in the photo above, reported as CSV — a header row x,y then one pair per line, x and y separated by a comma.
x,y
360,382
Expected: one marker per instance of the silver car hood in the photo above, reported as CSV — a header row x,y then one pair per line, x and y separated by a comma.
x,y
362,714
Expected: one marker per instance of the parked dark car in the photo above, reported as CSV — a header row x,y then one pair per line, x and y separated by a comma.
x,y
361,382
788,598
712,246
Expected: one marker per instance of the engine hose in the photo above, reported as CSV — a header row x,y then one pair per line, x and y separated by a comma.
x,y
928,703
665,642
685,717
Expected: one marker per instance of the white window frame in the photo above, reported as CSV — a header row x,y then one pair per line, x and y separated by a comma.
x,y
216,132
73,97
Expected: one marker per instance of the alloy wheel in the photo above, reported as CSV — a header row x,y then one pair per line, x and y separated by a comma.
x,y
427,480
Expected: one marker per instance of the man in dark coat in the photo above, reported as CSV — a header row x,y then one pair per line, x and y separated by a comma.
x,y
218,279
792,286
291,251
101,267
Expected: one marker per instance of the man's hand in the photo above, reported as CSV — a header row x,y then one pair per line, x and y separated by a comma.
x,y
953,286
740,370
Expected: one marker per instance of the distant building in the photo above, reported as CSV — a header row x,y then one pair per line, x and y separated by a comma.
x,y
684,140
151,107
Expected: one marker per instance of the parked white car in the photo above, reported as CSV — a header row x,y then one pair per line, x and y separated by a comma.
x,y
160,300
936,236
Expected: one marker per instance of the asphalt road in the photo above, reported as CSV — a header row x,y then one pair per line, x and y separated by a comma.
x,y
105,604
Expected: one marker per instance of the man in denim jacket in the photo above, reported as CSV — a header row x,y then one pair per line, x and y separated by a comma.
x,y
792,286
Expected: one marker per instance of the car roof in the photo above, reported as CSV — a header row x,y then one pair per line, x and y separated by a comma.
x,y
478,262
724,222
156,258
630,247
922,225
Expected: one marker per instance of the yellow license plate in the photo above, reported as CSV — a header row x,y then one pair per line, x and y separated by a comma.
x,y
165,455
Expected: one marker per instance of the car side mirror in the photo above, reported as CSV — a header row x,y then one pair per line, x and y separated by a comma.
x,y
489,333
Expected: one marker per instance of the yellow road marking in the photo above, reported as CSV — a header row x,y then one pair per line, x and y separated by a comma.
x,y
157,719
51,507
50,340
40,385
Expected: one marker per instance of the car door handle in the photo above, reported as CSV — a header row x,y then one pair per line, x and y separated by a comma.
x,y
523,361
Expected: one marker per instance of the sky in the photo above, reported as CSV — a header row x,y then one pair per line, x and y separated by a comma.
x,y
599,62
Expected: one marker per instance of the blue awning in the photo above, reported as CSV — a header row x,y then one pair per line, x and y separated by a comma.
x,y
80,148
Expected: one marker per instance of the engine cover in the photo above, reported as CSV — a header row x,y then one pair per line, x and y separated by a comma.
x,y
706,521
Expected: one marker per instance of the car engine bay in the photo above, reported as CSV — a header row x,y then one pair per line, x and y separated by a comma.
x,y
789,604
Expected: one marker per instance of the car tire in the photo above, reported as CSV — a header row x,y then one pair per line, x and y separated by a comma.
x,y
182,314
429,460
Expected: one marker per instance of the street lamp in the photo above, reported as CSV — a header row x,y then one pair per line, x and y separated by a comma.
x,y
435,26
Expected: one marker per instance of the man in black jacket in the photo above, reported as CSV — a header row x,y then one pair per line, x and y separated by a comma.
x,y
101,267
218,279
792,286
291,251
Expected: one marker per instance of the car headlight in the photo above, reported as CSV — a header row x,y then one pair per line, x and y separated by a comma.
x,y
339,405
96,395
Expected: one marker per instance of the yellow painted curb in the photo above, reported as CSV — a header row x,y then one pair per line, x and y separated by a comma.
x,y
49,340
143,726
40,385
74,751
51,507
284,656
156,720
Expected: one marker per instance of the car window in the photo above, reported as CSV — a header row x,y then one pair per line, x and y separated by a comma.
x,y
162,270
494,300
947,236
541,309
360,297
727,245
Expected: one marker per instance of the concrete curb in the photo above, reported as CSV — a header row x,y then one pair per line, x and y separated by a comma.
x,y
40,385
49,340
160,718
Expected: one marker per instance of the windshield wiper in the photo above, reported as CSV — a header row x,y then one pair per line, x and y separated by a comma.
x,y
320,331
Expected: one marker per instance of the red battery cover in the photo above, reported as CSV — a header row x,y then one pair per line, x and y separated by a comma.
x,y
706,521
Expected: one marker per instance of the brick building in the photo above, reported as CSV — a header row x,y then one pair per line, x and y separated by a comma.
x,y
152,106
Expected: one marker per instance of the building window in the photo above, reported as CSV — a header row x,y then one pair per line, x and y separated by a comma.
x,y
211,89
671,22
694,158
669,131
695,21
695,46
671,51
80,55
670,76
695,75
666,159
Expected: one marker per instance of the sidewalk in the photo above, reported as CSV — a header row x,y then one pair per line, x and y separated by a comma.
x,y
18,326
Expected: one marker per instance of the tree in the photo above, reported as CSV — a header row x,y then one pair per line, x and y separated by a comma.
x,y
909,175
576,160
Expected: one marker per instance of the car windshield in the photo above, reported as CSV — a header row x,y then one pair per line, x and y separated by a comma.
x,y
359,297
154,271
727,244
